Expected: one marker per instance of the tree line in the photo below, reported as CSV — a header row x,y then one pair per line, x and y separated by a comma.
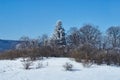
x,y
86,43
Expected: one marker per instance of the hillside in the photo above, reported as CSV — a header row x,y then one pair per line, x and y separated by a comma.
x,y
53,70
8,44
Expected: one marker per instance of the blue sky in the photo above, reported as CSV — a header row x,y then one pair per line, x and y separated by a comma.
x,y
35,17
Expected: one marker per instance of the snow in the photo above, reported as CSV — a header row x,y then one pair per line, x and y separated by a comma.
x,y
53,70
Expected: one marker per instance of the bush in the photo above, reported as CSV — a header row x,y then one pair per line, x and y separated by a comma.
x,y
68,66
77,55
87,64
27,63
39,65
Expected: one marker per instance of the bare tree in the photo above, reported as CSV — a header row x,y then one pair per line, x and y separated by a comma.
x,y
34,43
113,34
25,43
44,39
73,37
91,35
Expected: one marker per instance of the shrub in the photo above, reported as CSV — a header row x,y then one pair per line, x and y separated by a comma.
x,y
86,64
39,65
68,66
27,63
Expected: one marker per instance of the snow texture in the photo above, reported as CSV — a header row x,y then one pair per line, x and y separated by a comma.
x,y
52,69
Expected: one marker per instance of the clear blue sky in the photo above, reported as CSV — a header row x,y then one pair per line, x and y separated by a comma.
x,y
35,17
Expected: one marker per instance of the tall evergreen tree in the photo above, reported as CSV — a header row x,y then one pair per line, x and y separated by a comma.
x,y
59,34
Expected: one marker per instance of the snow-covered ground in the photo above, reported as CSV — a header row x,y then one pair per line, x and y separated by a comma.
x,y
53,70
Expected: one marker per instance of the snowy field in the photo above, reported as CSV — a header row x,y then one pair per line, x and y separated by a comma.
x,y
53,70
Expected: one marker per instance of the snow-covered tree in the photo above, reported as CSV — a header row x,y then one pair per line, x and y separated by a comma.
x,y
59,34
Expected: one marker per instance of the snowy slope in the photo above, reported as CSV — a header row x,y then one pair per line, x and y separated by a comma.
x,y
53,70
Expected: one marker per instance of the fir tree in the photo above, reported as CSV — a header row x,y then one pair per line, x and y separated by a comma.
x,y
59,34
